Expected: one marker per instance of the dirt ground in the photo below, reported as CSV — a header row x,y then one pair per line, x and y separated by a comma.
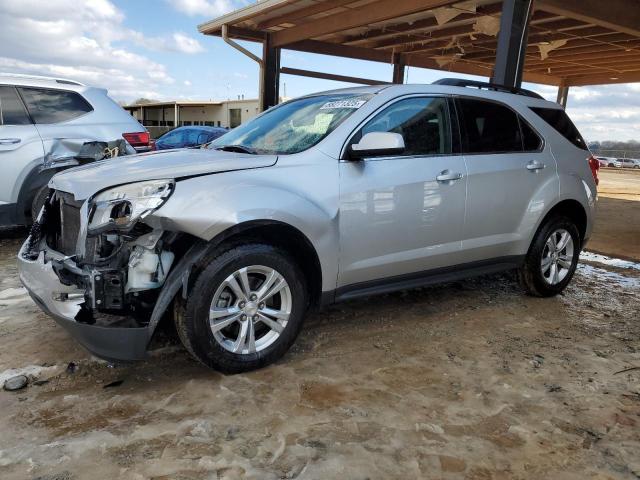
x,y
617,230
466,380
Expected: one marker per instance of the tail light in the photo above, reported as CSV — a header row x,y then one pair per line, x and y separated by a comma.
x,y
594,165
137,139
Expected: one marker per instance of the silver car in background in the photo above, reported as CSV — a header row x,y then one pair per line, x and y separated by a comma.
x,y
324,198
44,125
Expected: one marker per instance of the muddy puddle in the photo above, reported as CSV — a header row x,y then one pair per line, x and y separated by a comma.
x,y
469,380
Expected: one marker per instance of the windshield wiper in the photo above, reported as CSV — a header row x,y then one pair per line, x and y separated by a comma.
x,y
237,148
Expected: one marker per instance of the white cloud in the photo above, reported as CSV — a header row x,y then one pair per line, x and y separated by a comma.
x,y
187,83
85,40
207,8
178,42
186,44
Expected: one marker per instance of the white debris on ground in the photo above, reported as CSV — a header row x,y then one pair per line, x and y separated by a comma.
x,y
38,372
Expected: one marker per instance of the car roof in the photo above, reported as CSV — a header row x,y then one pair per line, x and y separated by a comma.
x,y
206,128
41,81
403,89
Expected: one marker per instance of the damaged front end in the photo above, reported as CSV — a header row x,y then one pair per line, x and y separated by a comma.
x,y
99,266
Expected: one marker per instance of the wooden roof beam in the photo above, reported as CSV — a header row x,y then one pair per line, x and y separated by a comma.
x,y
534,37
619,15
427,23
601,79
302,13
632,63
379,11
583,49
337,50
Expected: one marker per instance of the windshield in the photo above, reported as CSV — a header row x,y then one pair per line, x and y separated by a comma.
x,y
293,126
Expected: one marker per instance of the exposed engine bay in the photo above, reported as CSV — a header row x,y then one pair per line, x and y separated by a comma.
x,y
117,260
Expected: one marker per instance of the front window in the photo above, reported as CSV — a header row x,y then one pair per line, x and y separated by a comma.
x,y
423,123
293,126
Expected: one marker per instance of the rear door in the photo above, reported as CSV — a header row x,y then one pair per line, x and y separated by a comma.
x,y
57,115
509,174
20,145
403,214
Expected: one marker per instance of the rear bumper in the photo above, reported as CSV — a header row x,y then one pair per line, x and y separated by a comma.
x,y
64,303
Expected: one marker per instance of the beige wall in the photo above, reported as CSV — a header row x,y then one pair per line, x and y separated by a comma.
x,y
214,115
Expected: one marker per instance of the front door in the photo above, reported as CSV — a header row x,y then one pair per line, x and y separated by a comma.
x,y
20,145
403,214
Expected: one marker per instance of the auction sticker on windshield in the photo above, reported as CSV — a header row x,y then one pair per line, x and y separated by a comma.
x,y
349,103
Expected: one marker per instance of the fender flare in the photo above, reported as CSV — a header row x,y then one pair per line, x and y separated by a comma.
x,y
34,181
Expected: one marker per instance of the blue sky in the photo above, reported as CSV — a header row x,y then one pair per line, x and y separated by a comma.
x,y
151,48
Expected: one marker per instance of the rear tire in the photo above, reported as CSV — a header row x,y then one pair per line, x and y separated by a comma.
x,y
232,322
552,258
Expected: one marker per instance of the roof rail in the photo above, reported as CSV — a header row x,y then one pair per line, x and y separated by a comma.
x,y
42,77
459,82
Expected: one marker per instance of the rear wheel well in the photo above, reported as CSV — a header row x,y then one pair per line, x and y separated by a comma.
x,y
573,210
277,234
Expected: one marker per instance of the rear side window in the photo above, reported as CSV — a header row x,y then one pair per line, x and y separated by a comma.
x,y
54,106
560,121
12,111
488,127
531,141
423,122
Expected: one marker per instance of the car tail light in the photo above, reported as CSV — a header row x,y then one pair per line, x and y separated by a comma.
x,y
594,165
137,139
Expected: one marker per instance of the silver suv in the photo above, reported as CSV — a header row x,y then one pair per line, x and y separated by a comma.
x,y
321,199
44,124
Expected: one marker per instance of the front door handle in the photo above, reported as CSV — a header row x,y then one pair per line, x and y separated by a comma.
x,y
533,165
448,176
9,141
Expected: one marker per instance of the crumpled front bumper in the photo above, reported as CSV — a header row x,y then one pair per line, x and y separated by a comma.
x,y
63,303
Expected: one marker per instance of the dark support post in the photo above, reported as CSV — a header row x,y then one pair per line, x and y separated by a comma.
x,y
512,42
563,95
398,69
270,72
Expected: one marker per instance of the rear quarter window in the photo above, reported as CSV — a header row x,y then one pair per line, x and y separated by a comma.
x,y
561,122
54,106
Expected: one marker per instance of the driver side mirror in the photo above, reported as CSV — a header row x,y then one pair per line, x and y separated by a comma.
x,y
377,144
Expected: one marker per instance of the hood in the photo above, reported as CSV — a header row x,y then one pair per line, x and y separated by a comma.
x,y
84,181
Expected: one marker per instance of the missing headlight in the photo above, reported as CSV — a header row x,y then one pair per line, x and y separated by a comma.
x,y
119,208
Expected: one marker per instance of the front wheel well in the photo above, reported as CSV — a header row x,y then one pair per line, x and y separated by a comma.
x,y
573,210
277,234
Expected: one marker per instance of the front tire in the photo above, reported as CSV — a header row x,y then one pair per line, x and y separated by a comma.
x,y
552,258
245,309
38,202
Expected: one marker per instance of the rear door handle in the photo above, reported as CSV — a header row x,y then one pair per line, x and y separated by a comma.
x,y
533,165
448,176
9,141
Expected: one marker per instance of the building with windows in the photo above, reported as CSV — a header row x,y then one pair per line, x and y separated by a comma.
x,y
160,117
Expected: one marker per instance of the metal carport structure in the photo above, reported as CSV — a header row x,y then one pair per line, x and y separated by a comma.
x,y
554,42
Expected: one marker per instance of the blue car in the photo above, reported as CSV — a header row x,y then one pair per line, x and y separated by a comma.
x,y
194,136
